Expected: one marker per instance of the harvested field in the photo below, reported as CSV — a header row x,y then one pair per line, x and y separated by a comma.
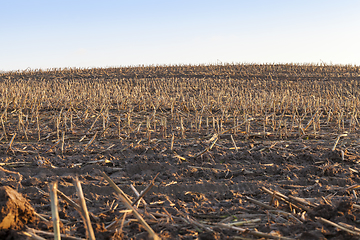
x,y
225,152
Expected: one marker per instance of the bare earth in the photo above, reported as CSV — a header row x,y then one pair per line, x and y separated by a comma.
x,y
204,188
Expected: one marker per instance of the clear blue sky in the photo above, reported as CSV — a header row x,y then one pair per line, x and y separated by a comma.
x,y
47,34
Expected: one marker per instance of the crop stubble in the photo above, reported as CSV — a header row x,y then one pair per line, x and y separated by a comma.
x,y
216,134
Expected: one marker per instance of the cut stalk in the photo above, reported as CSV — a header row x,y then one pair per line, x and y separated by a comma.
x,y
128,204
172,142
232,139
337,140
85,214
62,142
54,210
11,142
90,142
38,126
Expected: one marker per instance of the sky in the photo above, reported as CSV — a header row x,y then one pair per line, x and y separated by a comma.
x,y
85,34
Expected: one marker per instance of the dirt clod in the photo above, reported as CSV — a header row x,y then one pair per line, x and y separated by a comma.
x,y
15,211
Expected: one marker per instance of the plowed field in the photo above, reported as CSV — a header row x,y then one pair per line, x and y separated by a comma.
x,y
226,151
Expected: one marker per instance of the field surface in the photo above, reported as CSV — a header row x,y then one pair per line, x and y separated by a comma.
x,y
223,152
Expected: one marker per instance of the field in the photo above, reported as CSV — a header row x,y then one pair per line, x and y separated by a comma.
x,y
233,151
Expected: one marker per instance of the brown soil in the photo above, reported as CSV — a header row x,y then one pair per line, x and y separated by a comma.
x,y
210,189
283,181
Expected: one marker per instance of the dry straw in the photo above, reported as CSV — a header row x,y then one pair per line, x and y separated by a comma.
x,y
54,210
129,205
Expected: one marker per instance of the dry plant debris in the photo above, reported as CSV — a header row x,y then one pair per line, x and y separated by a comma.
x,y
234,151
